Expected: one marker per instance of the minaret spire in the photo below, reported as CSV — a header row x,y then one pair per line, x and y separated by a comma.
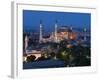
x,y
56,31
40,38
84,33
26,43
71,28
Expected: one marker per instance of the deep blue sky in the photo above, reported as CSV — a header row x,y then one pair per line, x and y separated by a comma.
x,y
31,19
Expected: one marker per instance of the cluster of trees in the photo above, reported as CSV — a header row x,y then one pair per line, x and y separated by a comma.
x,y
72,56
31,58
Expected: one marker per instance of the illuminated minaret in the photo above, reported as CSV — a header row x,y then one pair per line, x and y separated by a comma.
x,y
40,38
56,31
71,28
26,43
84,33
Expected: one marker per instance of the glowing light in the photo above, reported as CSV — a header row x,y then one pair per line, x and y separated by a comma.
x,y
69,46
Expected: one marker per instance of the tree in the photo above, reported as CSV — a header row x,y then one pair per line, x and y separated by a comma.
x,y
31,58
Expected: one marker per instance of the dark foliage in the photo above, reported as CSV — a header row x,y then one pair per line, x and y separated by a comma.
x,y
31,58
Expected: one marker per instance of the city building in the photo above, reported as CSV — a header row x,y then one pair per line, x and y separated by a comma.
x,y
60,33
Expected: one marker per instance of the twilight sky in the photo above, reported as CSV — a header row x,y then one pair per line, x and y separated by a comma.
x,y
31,20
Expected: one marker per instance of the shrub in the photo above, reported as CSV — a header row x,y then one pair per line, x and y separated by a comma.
x,y
31,58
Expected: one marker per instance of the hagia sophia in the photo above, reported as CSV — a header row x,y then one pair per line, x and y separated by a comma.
x,y
59,34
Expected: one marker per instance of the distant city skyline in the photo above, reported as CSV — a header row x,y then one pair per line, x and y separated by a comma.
x,y
32,20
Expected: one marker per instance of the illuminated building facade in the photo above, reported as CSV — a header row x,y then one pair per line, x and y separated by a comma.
x,y
26,43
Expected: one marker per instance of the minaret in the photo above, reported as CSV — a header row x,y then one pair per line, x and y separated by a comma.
x,y
26,43
69,32
40,38
71,28
67,35
56,31
85,34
